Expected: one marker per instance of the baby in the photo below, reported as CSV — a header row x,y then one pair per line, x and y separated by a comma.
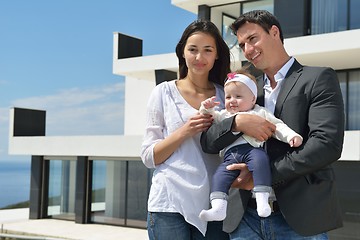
x,y
240,98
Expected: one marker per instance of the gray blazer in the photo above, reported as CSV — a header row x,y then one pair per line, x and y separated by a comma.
x,y
310,102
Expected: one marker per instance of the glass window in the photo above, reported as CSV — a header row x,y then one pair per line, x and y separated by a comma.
x,y
61,192
342,76
223,16
347,183
354,14
262,5
138,190
120,192
227,33
354,101
328,16
108,192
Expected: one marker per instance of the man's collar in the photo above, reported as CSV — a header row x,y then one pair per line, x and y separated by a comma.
x,y
282,72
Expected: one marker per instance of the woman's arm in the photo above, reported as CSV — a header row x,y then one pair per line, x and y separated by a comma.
x,y
164,148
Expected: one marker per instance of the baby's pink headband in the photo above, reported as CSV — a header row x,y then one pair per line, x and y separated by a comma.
x,y
236,77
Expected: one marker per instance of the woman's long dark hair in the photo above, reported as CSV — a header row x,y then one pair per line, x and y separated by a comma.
x,y
221,66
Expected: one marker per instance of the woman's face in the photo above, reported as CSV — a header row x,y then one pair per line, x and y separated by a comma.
x,y
200,53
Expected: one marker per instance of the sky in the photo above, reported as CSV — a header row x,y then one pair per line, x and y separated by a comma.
x,y
56,55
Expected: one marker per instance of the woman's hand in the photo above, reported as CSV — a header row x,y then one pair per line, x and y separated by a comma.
x,y
196,124
245,179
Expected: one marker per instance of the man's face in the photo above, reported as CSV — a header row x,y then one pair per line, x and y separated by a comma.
x,y
258,46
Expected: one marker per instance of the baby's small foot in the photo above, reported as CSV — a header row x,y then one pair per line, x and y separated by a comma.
x,y
262,202
264,211
212,215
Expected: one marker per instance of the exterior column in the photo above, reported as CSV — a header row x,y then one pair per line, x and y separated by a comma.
x,y
38,203
204,12
83,190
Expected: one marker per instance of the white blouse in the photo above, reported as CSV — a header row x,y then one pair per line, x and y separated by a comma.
x,y
181,184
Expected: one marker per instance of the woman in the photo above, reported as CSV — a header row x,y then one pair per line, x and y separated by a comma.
x,y
181,180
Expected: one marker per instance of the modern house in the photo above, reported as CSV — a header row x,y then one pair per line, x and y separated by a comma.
x,y
101,179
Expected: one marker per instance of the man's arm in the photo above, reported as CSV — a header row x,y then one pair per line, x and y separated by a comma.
x,y
222,134
323,131
218,136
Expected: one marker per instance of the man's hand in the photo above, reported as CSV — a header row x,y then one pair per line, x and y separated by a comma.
x,y
254,126
245,179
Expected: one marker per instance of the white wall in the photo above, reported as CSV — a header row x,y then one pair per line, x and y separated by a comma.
x,y
351,146
137,92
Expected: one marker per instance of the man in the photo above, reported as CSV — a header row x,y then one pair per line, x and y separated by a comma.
x,y
308,100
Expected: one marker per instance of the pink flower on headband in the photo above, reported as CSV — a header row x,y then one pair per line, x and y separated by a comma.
x,y
231,75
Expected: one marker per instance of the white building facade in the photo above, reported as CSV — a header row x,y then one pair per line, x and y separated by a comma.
x,y
102,179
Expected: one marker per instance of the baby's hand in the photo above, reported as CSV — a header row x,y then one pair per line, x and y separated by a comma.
x,y
295,141
210,103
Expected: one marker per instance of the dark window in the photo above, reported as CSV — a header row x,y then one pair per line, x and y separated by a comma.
x,y
293,17
354,14
350,88
328,16
347,181
354,101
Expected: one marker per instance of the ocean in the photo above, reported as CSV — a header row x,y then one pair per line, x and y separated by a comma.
x,y
14,182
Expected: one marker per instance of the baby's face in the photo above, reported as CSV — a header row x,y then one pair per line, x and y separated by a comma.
x,y
238,97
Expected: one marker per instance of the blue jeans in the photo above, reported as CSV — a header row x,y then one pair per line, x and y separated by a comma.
x,y
273,227
172,226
